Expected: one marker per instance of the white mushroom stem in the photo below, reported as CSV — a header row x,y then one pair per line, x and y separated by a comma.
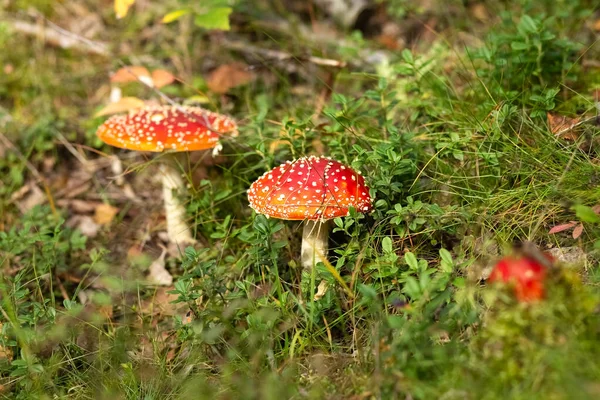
x,y
315,237
178,230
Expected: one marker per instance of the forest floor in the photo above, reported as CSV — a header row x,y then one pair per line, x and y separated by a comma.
x,y
474,124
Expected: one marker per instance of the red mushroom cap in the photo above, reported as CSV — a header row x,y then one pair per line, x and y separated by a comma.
x,y
309,188
166,128
526,275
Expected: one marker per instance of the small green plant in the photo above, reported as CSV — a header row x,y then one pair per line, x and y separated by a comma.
x,y
213,14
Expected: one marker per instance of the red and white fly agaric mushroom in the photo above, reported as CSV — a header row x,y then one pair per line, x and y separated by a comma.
x,y
168,128
526,275
314,189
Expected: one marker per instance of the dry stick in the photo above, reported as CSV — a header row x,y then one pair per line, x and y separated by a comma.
x,y
60,37
280,55
39,178
72,150
367,58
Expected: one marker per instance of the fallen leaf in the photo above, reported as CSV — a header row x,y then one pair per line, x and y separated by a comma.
x,y
88,226
125,104
562,126
158,274
131,73
187,318
80,206
577,231
161,78
116,167
174,15
105,213
597,25
115,94
390,42
479,11
122,7
28,197
321,290
228,76
162,302
562,227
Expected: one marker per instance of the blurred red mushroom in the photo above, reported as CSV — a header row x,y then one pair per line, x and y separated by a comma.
x,y
314,189
168,128
525,274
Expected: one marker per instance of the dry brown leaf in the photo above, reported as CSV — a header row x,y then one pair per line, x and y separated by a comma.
x,y
161,78
162,302
158,274
597,25
479,11
321,290
577,231
228,76
79,206
28,197
562,227
131,73
390,42
105,213
561,125
123,105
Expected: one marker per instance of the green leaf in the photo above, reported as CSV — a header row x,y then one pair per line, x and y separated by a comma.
x,y
586,214
412,288
217,18
447,262
174,15
407,56
367,291
411,260
527,24
519,46
386,243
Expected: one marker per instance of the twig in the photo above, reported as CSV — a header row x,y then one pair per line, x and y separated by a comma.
x,y
72,150
367,57
60,37
280,55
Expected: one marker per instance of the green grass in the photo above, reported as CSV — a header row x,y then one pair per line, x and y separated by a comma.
x,y
452,138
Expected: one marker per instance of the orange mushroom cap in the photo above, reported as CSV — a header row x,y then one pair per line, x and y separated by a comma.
x,y
309,188
160,128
